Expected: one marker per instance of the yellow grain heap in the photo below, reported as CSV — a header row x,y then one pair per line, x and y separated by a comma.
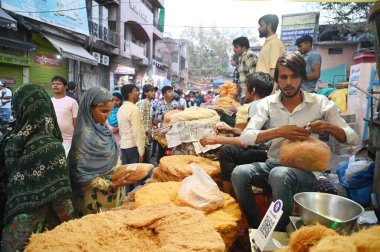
x,y
242,117
309,155
177,167
224,220
163,227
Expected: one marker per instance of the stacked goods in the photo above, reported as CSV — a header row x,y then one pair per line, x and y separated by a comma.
x,y
168,117
136,171
195,113
162,227
228,89
224,219
310,155
177,167
226,102
321,239
242,117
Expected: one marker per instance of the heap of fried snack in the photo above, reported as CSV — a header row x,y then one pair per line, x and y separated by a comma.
x,y
242,117
318,238
135,171
177,167
226,102
225,220
162,227
191,114
228,89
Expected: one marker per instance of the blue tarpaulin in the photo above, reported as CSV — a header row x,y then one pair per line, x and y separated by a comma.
x,y
218,82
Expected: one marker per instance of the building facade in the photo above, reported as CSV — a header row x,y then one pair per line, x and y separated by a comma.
x,y
98,45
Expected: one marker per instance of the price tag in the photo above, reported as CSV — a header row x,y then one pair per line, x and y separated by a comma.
x,y
264,233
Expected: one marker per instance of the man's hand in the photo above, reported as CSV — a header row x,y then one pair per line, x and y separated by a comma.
x,y
141,159
115,130
319,127
223,129
294,133
208,140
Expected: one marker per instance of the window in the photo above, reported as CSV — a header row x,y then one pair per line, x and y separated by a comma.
x,y
335,50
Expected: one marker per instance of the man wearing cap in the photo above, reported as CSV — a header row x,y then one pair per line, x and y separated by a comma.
x,y
144,106
313,62
5,102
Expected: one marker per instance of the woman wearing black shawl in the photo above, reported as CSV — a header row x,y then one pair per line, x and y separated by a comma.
x,y
34,182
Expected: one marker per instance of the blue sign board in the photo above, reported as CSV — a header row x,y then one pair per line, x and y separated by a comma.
x,y
67,14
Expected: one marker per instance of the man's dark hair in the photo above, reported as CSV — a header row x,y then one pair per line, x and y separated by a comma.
x,y
241,41
270,19
294,62
71,85
261,82
127,89
165,89
59,78
304,38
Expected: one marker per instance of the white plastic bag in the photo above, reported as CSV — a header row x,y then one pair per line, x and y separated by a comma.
x,y
200,191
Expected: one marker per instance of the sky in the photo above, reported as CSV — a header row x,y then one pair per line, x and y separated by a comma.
x,y
226,13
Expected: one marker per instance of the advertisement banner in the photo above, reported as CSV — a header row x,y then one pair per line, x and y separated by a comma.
x,y
67,14
295,25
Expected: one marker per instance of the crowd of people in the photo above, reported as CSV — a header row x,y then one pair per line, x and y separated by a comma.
x,y
57,163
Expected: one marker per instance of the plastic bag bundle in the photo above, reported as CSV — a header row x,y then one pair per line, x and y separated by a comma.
x,y
200,191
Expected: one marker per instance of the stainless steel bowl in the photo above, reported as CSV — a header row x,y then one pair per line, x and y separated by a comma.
x,y
330,210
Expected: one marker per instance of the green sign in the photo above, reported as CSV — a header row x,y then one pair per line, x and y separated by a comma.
x,y
15,60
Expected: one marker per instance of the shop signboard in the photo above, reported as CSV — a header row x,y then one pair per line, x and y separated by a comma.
x,y
295,25
14,60
46,59
67,14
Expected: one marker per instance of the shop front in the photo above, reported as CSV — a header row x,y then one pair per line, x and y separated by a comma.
x,y
46,63
122,75
15,58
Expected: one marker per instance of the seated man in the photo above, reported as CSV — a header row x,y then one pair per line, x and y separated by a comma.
x,y
286,113
233,153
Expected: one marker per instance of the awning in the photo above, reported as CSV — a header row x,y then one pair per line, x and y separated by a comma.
x,y
7,21
72,50
17,44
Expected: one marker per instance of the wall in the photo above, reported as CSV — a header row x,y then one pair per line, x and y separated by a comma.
x,y
332,60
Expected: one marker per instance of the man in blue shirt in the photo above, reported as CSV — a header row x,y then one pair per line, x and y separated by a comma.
x,y
313,62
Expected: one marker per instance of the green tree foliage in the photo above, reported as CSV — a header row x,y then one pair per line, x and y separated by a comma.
x,y
347,12
210,50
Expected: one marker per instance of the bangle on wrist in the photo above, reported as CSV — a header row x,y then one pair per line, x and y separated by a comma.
x,y
113,186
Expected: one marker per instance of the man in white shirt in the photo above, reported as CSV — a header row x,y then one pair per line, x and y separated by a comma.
x,y
66,110
286,113
5,102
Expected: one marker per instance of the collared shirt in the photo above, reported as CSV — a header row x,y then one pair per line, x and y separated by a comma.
x,y
131,128
162,109
248,63
272,49
311,59
313,107
144,106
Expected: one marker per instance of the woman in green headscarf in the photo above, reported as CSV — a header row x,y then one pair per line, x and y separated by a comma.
x,y
93,156
34,182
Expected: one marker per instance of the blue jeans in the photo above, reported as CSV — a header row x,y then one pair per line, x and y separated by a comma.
x,y
5,114
283,181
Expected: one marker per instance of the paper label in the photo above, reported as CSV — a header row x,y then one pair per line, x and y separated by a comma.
x,y
267,225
